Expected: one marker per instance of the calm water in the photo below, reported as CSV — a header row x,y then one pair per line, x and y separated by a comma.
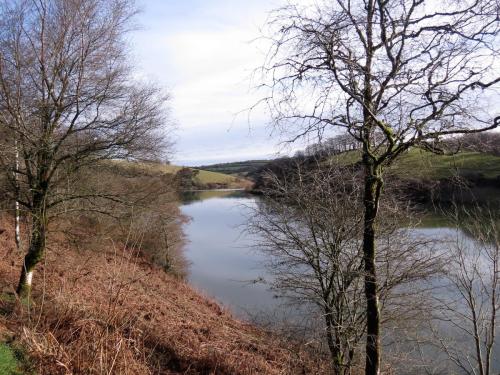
x,y
224,262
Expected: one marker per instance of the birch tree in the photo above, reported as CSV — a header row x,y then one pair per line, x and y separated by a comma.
x,y
69,100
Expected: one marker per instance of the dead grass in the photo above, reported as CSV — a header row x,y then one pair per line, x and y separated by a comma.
x,y
110,312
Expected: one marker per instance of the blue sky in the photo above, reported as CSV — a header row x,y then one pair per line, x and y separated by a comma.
x,y
203,54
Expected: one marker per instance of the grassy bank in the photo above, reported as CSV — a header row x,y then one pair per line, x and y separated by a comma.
x,y
203,179
111,312
423,164
417,163
9,364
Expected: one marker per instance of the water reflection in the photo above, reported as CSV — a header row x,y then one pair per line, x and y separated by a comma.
x,y
224,263
193,196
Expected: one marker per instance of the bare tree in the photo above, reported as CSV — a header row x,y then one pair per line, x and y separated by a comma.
x,y
311,225
68,99
332,146
17,205
469,302
10,152
393,74
483,142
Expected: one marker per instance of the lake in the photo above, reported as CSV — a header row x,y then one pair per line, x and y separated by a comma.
x,y
223,261
225,264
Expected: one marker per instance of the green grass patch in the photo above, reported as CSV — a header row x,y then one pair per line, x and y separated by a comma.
x,y
10,363
421,164
346,158
417,163
208,177
203,177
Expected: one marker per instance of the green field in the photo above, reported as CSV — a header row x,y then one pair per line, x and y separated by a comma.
x,y
207,177
239,168
418,163
203,177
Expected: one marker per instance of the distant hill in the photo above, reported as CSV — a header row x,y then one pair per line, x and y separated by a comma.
x,y
203,179
418,163
239,168
423,176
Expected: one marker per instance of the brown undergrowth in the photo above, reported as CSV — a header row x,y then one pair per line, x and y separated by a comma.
x,y
111,312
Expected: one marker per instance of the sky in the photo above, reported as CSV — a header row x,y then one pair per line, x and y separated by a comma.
x,y
203,53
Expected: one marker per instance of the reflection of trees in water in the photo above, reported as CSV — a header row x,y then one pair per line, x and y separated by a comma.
x,y
411,343
311,225
190,197
478,223
431,330
468,298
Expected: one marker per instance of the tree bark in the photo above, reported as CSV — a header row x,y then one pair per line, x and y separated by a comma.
x,y
17,225
17,221
335,352
373,187
36,250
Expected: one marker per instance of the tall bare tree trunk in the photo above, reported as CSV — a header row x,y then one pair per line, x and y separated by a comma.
x,y
331,338
36,247
17,224
17,214
373,187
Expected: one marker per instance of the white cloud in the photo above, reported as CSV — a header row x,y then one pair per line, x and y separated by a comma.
x,y
217,85
206,63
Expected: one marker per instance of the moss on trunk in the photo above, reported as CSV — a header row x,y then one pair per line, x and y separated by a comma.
x,y
373,188
35,253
